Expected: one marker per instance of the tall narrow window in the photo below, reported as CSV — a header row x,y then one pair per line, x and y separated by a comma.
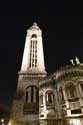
x,y
31,102
32,94
49,97
71,91
33,51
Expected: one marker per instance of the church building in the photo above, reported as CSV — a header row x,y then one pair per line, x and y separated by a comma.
x,y
46,100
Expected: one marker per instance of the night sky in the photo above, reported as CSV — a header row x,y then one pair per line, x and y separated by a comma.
x,y
62,26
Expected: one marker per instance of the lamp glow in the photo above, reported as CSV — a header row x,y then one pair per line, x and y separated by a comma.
x,y
2,120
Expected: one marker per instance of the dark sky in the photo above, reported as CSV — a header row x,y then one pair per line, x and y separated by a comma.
x,y
62,25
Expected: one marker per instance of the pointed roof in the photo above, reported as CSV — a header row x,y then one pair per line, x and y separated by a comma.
x,y
34,27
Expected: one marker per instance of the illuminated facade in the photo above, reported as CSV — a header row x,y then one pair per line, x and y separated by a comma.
x,y
41,100
61,97
25,108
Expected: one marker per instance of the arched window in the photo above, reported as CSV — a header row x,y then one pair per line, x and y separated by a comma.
x,y
71,91
81,85
61,95
49,98
41,99
34,36
33,51
32,94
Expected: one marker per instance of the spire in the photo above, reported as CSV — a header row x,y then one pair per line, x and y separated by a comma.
x,y
34,27
34,24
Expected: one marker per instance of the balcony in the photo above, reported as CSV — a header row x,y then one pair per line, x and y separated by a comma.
x,y
31,108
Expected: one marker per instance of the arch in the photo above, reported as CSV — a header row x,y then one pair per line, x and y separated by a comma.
x,y
34,35
32,94
81,85
49,97
71,90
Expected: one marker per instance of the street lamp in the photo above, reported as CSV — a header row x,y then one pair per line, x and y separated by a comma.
x,y
2,121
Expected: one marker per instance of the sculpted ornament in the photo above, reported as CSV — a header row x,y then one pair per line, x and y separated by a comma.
x,y
76,61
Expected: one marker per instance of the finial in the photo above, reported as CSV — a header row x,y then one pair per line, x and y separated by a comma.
x,y
77,60
34,24
72,62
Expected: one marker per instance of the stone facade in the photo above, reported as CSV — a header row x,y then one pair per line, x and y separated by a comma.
x,y
25,107
62,97
41,100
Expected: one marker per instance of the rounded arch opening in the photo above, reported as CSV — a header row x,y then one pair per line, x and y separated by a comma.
x,y
70,90
49,97
32,94
33,52
34,36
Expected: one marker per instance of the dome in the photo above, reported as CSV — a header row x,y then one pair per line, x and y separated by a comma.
x,y
69,71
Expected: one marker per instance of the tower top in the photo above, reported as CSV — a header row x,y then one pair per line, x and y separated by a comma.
x,y
33,58
34,27
34,24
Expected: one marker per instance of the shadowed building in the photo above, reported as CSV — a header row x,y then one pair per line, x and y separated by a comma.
x,y
53,100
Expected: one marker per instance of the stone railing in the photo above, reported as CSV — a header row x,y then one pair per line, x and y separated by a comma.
x,y
31,108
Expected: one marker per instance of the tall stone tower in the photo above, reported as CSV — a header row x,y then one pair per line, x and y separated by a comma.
x,y
25,107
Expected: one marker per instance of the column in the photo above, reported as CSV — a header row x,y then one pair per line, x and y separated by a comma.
x,y
66,102
44,102
79,92
34,94
29,94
